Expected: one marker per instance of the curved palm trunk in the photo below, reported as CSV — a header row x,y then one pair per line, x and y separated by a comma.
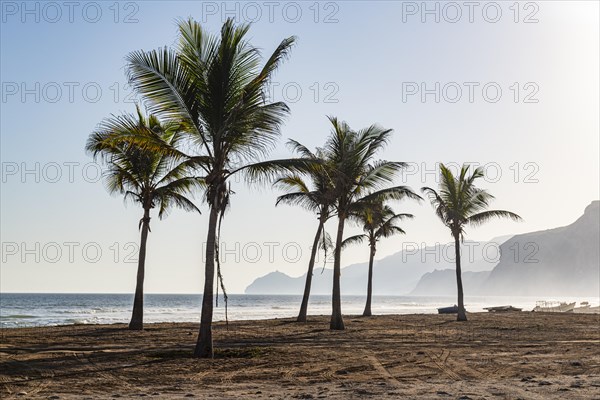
x,y
309,274
137,316
337,321
204,346
367,312
462,315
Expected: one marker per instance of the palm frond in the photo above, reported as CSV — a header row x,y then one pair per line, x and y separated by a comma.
x,y
392,230
166,85
378,175
391,193
301,199
267,171
352,240
485,216
291,182
299,148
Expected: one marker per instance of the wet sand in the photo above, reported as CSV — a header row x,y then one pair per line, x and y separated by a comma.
x,y
493,356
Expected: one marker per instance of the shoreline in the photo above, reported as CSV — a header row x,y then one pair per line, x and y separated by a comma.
x,y
512,355
278,318
286,318
54,310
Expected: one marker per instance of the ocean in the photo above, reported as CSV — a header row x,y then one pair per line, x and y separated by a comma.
x,y
26,310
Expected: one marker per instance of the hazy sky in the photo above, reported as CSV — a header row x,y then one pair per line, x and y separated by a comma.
x,y
520,98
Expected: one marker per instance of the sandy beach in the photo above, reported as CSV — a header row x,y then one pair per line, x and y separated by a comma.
x,y
504,356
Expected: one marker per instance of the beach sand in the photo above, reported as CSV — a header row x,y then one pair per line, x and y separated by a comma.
x,y
493,356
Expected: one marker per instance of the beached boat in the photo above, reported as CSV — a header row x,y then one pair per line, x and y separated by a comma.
x,y
448,310
503,309
554,306
586,308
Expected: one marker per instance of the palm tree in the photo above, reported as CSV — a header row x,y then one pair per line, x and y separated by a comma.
x,y
316,197
378,221
214,85
357,180
460,203
146,177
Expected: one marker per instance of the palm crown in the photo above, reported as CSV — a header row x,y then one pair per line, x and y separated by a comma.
x,y
215,87
459,202
357,178
148,177
377,220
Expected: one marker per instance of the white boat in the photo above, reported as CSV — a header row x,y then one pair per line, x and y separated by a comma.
x,y
586,308
554,306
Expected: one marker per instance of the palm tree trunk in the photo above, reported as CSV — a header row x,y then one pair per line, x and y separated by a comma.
x,y
204,346
337,321
309,274
367,312
137,316
462,315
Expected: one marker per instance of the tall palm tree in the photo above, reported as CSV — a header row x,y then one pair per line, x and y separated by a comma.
x,y
147,177
460,203
377,220
216,87
357,180
316,196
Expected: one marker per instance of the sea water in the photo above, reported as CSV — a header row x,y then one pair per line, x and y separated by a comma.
x,y
23,310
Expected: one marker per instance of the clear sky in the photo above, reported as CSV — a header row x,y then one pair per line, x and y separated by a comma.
x,y
517,88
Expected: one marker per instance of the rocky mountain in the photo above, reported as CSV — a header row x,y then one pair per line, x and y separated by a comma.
x,y
397,274
563,261
443,283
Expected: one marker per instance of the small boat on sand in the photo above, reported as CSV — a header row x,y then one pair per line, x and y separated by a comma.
x,y
448,310
503,309
554,306
586,308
